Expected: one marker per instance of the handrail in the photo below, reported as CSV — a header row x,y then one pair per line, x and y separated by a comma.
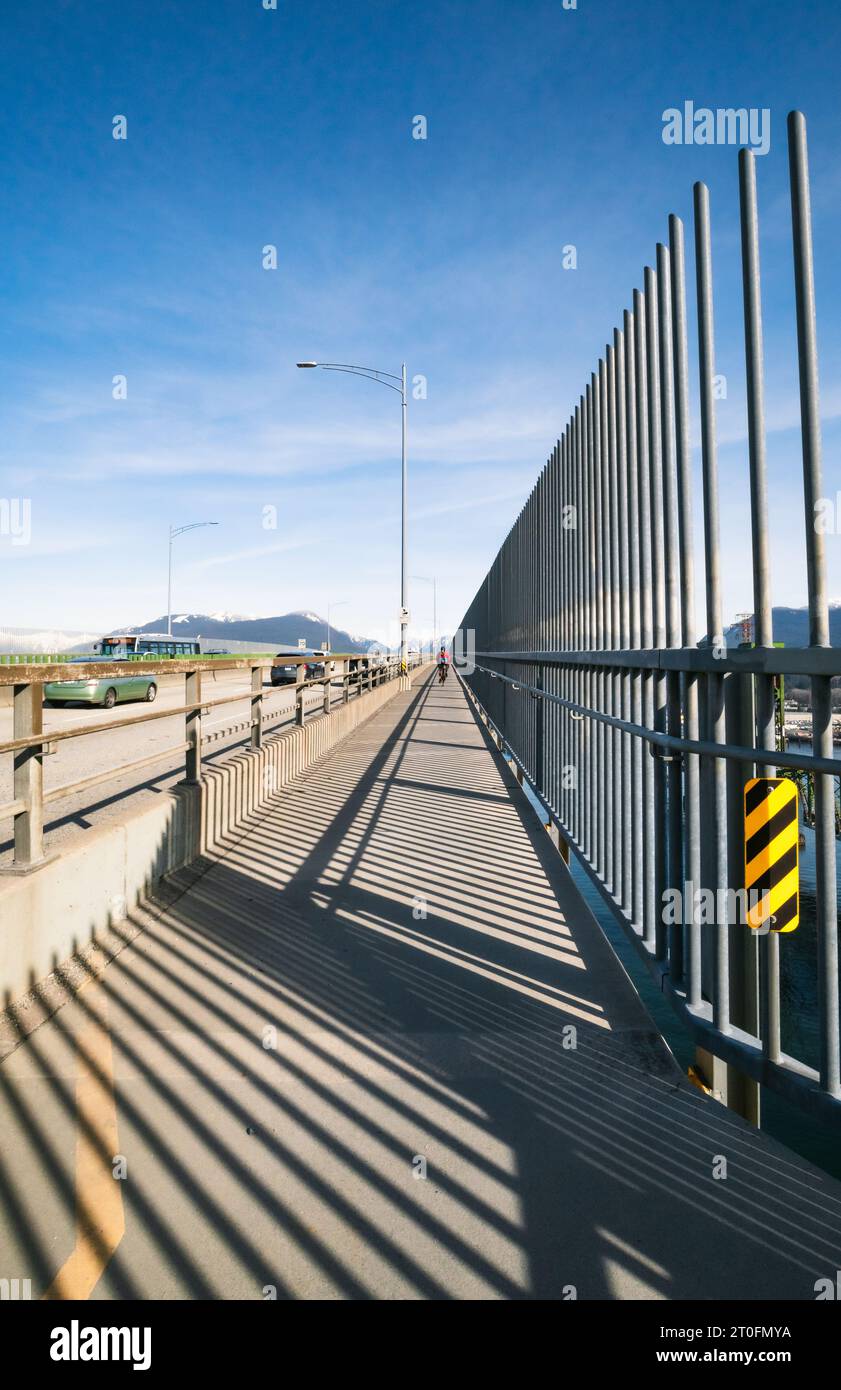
x,y
31,739
764,757
59,735
43,674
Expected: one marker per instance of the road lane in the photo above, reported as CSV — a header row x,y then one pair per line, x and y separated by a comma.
x,y
92,753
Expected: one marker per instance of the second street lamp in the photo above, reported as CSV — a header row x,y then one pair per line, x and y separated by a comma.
x,y
173,532
398,384
334,603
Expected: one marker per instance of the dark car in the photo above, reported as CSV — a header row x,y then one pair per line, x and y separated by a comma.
x,y
284,672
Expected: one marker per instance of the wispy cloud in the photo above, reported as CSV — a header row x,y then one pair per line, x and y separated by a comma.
x,y
467,504
254,553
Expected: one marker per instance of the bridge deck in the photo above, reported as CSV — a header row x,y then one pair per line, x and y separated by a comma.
x,y
401,921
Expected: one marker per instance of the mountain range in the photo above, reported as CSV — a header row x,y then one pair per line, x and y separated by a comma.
x,y
791,627
284,630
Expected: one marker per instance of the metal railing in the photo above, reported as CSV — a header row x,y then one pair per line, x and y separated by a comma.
x,y
355,674
637,737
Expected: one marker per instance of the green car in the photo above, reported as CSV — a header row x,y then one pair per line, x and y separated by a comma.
x,y
105,691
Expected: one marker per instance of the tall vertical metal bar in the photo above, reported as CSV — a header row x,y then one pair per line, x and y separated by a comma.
x,y
691,763
769,946
572,539
720,982
674,632
543,539
570,612
572,546
624,581
587,634
569,601
560,600
578,794
613,735
650,908
578,640
807,353
566,600
554,675
637,748
527,704
605,863
549,640
671,552
583,675
655,463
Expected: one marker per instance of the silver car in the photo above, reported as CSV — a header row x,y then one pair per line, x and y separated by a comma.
x,y
103,690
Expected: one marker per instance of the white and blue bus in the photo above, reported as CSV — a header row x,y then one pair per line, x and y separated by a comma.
x,y
120,646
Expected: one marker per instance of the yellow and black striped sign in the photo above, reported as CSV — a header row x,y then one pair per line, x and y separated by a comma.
x,y
771,853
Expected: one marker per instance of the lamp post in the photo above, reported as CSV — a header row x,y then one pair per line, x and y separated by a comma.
x,y
394,383
336,603
173,532
434,582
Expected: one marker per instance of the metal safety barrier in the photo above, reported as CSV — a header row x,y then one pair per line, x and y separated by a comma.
x,y
30,742
637,735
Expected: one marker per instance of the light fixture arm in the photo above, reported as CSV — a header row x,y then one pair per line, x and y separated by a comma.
x,y
398,384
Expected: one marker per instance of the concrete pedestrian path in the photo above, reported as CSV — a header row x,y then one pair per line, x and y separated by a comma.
x,y
379,1048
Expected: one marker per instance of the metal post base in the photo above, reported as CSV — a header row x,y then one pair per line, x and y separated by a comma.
x,y
21,870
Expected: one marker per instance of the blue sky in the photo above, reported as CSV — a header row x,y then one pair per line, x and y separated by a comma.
x,y
294,127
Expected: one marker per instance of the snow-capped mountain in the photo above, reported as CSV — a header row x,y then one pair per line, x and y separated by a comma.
x,y
791,626
286,630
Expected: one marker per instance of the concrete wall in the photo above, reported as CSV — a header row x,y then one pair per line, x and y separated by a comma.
x,y
50,915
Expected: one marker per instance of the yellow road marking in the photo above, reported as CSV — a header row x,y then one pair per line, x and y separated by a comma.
x,y
100,1220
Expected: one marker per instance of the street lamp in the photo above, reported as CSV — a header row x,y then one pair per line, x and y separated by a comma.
x,y
173,532
387,379
434,582
336,603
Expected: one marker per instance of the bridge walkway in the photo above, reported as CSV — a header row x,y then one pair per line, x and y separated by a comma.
x,y
335,1062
